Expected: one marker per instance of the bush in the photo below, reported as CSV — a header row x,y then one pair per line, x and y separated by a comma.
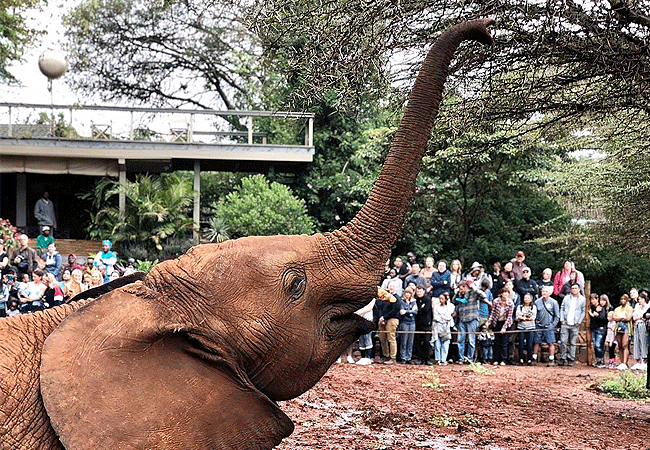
x,y
258,209
626,385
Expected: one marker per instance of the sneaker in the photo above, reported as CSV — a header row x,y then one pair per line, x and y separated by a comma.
x,y
338,360
569,363
496,363
414,362
350,359
561,362
428,363
637,366
502,363
390,361
621,366
444,363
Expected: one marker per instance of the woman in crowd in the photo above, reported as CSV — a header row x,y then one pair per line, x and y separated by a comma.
x,y
623,317
507,274
53,261
640,347
500,320
497,279
75,286
32,300
96,278
4,258
598,309
561,277
526,314
392,275
407,312
546,280
456,270
566,288
443,319
427,271
53,294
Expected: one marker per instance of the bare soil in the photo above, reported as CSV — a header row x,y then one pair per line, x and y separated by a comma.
x,y
451,407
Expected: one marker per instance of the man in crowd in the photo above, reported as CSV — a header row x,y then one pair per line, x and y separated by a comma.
x,y
526,285
548,316
467,308
423,320
572,314
386,315
415,277
518,265
401,268
44,239
44,213
24,257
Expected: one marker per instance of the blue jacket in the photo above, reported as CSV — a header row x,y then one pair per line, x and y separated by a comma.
x,y
440,282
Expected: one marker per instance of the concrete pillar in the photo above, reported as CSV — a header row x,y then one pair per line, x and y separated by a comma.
x,y
196,215
122,180
21,200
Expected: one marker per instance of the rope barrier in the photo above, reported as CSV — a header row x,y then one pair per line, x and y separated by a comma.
x,y
467,332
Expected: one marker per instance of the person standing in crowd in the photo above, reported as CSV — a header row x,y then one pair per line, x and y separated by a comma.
x,y
32,297
441,280
106,257
72,263
497,280
566,289
561,277
443,318
467,310
525,315
407,312
386,315
548,316
423,320
518,265
24,257
44,213
485,344
427,271
414,278
507,274
500,320
640,347
572,313
634,297
623,317
4,259
43,240
598,309
456,275
485,302
52,260
547,280
402,269
392,275
526,285
365,340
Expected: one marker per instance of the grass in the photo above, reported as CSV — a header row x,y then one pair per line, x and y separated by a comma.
x,y
450,421
479,369
626,384
431,380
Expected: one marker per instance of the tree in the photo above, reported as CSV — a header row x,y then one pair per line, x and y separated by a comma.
x,y
170,52
15,32
157,209
259,208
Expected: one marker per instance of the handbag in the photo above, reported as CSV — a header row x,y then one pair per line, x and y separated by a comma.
x,y
444,335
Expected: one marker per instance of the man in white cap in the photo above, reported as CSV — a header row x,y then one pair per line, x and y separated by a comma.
x,y
44,240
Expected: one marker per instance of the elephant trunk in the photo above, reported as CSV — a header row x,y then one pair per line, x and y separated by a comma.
x,y
371,234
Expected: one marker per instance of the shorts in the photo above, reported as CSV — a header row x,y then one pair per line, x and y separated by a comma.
x,y
544,335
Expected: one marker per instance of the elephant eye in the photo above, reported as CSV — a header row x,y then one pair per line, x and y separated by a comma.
x,y
295,282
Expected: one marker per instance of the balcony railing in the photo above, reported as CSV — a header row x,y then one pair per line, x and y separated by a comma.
x,y
153,124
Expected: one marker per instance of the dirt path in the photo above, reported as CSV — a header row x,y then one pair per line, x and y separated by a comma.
x,y
449,408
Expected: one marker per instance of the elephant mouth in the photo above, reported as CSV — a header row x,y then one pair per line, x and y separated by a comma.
x,y
349,323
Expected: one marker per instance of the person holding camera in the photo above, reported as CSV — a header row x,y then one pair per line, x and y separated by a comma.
x,y
24,257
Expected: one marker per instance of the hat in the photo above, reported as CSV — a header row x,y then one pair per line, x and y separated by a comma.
x,y
475,266
46,228
526,269
520,253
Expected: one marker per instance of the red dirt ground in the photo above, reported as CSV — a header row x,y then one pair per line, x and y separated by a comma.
x,y
399,407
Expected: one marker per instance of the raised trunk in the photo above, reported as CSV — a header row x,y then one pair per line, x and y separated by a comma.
x,y
375,228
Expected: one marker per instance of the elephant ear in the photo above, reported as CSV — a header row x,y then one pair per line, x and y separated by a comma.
x,y
114,375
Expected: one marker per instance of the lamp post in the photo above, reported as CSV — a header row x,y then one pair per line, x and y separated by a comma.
x,y
53,64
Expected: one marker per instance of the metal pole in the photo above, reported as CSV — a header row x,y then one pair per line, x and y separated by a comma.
x,y
10,131
196,215
249,124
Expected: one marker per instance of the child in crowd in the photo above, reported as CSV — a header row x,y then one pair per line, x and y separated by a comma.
x,y
486,344
13,308
610,340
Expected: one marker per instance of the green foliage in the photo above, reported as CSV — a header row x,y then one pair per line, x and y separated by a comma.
x,y
145,266
217,230
156,210
626,384
257,208
15,34
60,128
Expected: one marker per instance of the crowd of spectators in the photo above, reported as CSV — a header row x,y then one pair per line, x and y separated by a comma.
x,y
500,316
36,279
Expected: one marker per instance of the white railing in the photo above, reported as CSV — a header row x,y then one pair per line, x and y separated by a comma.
x,y
160,124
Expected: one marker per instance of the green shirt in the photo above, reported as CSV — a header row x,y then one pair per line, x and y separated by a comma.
x,y
42,242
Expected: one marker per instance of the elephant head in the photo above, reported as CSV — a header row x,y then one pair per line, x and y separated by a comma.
x,y
197,353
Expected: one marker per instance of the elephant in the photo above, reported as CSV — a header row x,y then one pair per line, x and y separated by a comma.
x,y
197,353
